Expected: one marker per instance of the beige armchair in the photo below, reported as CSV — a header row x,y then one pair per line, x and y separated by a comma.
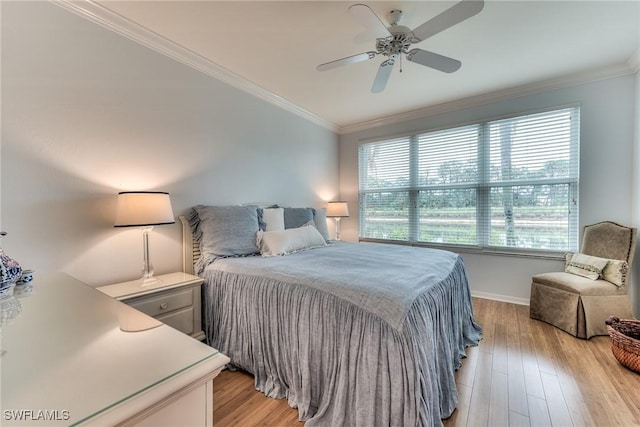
x,y
580,305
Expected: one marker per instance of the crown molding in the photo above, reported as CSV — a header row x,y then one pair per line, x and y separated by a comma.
x,y
117,23
496,96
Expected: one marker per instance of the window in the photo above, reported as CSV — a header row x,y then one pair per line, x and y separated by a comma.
x,y
503,184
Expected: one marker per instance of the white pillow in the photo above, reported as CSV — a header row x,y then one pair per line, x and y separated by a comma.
x,y
585,265
615,271
320,221
273,218
281,242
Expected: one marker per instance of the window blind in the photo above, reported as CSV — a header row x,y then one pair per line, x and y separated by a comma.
x,y
385,171
510,183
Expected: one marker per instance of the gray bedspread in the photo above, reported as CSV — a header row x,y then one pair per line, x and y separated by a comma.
x,y
352,334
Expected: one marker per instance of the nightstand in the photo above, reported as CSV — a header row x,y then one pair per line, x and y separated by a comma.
x,y
173,299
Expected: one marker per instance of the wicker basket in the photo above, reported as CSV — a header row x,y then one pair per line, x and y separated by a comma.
x,y
625,341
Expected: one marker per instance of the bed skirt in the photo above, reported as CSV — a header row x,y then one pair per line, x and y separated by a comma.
x,y
336,363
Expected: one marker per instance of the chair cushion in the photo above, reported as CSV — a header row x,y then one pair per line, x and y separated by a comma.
x,y
576,284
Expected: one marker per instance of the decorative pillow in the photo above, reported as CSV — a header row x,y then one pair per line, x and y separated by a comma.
x,y
584,265
273,219
227,230
273,243
320,221
297,217
616,272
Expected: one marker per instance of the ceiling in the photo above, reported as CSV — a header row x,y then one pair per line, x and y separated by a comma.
x,y
276,46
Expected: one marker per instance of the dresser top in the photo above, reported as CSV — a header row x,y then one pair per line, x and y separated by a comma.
x,y
66,351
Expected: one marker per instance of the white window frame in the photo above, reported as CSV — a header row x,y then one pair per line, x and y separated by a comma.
x,y
483,188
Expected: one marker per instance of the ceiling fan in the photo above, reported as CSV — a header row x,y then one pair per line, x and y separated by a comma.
x,y
395,40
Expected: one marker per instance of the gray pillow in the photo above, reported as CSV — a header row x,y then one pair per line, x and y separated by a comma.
x,y
297,217
227,230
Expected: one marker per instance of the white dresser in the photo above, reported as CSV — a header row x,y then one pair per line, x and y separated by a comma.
x,y
66,360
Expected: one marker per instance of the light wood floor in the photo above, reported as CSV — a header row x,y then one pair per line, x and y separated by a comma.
x,y
523,373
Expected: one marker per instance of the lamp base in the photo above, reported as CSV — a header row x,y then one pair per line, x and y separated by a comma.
x,y
147,268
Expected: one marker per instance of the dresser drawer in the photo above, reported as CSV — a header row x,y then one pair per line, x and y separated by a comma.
x,y
158,305
181,320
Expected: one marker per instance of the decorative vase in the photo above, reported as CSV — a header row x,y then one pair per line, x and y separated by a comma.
x,y
10,271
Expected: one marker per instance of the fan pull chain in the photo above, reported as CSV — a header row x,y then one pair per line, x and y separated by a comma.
x,y
400,62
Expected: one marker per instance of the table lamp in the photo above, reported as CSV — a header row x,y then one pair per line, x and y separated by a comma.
x,y
144,209
337,210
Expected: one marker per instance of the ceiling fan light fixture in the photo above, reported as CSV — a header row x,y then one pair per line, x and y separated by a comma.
x,y
395,40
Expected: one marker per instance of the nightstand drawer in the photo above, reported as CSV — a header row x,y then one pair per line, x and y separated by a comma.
x,y
161,304
181,320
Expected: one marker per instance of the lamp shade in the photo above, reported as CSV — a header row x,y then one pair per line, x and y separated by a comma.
x,y
337,209
143,208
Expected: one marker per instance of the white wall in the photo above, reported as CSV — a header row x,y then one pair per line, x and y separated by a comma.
x,y
87,113
607,132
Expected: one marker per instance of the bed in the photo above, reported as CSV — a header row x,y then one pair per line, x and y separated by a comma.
x,y
356,334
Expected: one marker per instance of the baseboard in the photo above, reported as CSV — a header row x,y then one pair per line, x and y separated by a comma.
x,y
498,297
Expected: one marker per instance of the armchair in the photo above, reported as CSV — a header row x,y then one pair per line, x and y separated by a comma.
x,y
580,305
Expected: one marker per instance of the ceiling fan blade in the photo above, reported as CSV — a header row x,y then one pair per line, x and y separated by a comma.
x,y
346,61
434,60
384,71
450,17
368,19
